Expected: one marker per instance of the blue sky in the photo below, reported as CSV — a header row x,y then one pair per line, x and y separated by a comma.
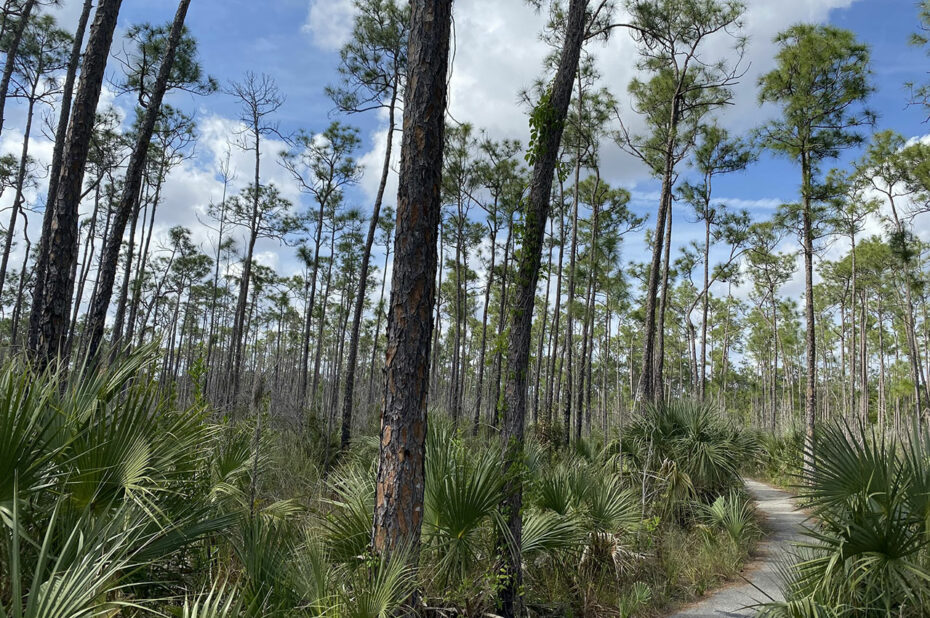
x,y
497,52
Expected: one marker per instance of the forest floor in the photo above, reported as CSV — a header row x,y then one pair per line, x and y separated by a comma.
x,y
760,579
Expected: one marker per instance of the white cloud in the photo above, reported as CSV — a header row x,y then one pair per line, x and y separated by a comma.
x,y
497,53
330,22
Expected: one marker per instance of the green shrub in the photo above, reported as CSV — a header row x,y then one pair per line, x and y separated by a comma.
x,y
688,448
866,553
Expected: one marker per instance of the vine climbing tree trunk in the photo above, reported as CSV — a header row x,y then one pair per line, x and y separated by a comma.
x,y
549,120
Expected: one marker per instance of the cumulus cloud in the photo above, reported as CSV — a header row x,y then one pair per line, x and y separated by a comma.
x,y
497,53
329,22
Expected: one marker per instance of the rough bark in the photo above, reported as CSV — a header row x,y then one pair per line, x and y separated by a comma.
x,y
398,512
61,132
52,304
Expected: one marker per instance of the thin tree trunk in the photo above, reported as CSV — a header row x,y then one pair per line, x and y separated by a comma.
x,y
537,211
85,264
863,366
132,184
311,305
587,325
570,300
484,330
314,385
380,310
11,53
18,198
502,308
537,386
556,314
810,397
659,375
141,266
349,386
123,298
705,302
645,390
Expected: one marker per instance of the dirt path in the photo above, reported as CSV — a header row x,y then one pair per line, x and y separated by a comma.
x,y
784,526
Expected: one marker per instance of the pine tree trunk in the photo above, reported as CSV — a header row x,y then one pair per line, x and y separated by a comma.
x,y
18,198
881,366
705,302
659,375
586,327
349,386
437,330
556,315
493,418
142,264
568,397
398,512
311,305
476,417
457,323
123,298
645,390
18,307
61,132
542,336
318,353
214,288
380,310
240,325
132,185
509,600
810,397
52,304
863,365
85,264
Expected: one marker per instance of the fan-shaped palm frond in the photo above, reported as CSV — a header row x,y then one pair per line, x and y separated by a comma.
x,y
75,568
732,514
32,432
217,602
379,590
865,550
548,533
463,492
347,526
